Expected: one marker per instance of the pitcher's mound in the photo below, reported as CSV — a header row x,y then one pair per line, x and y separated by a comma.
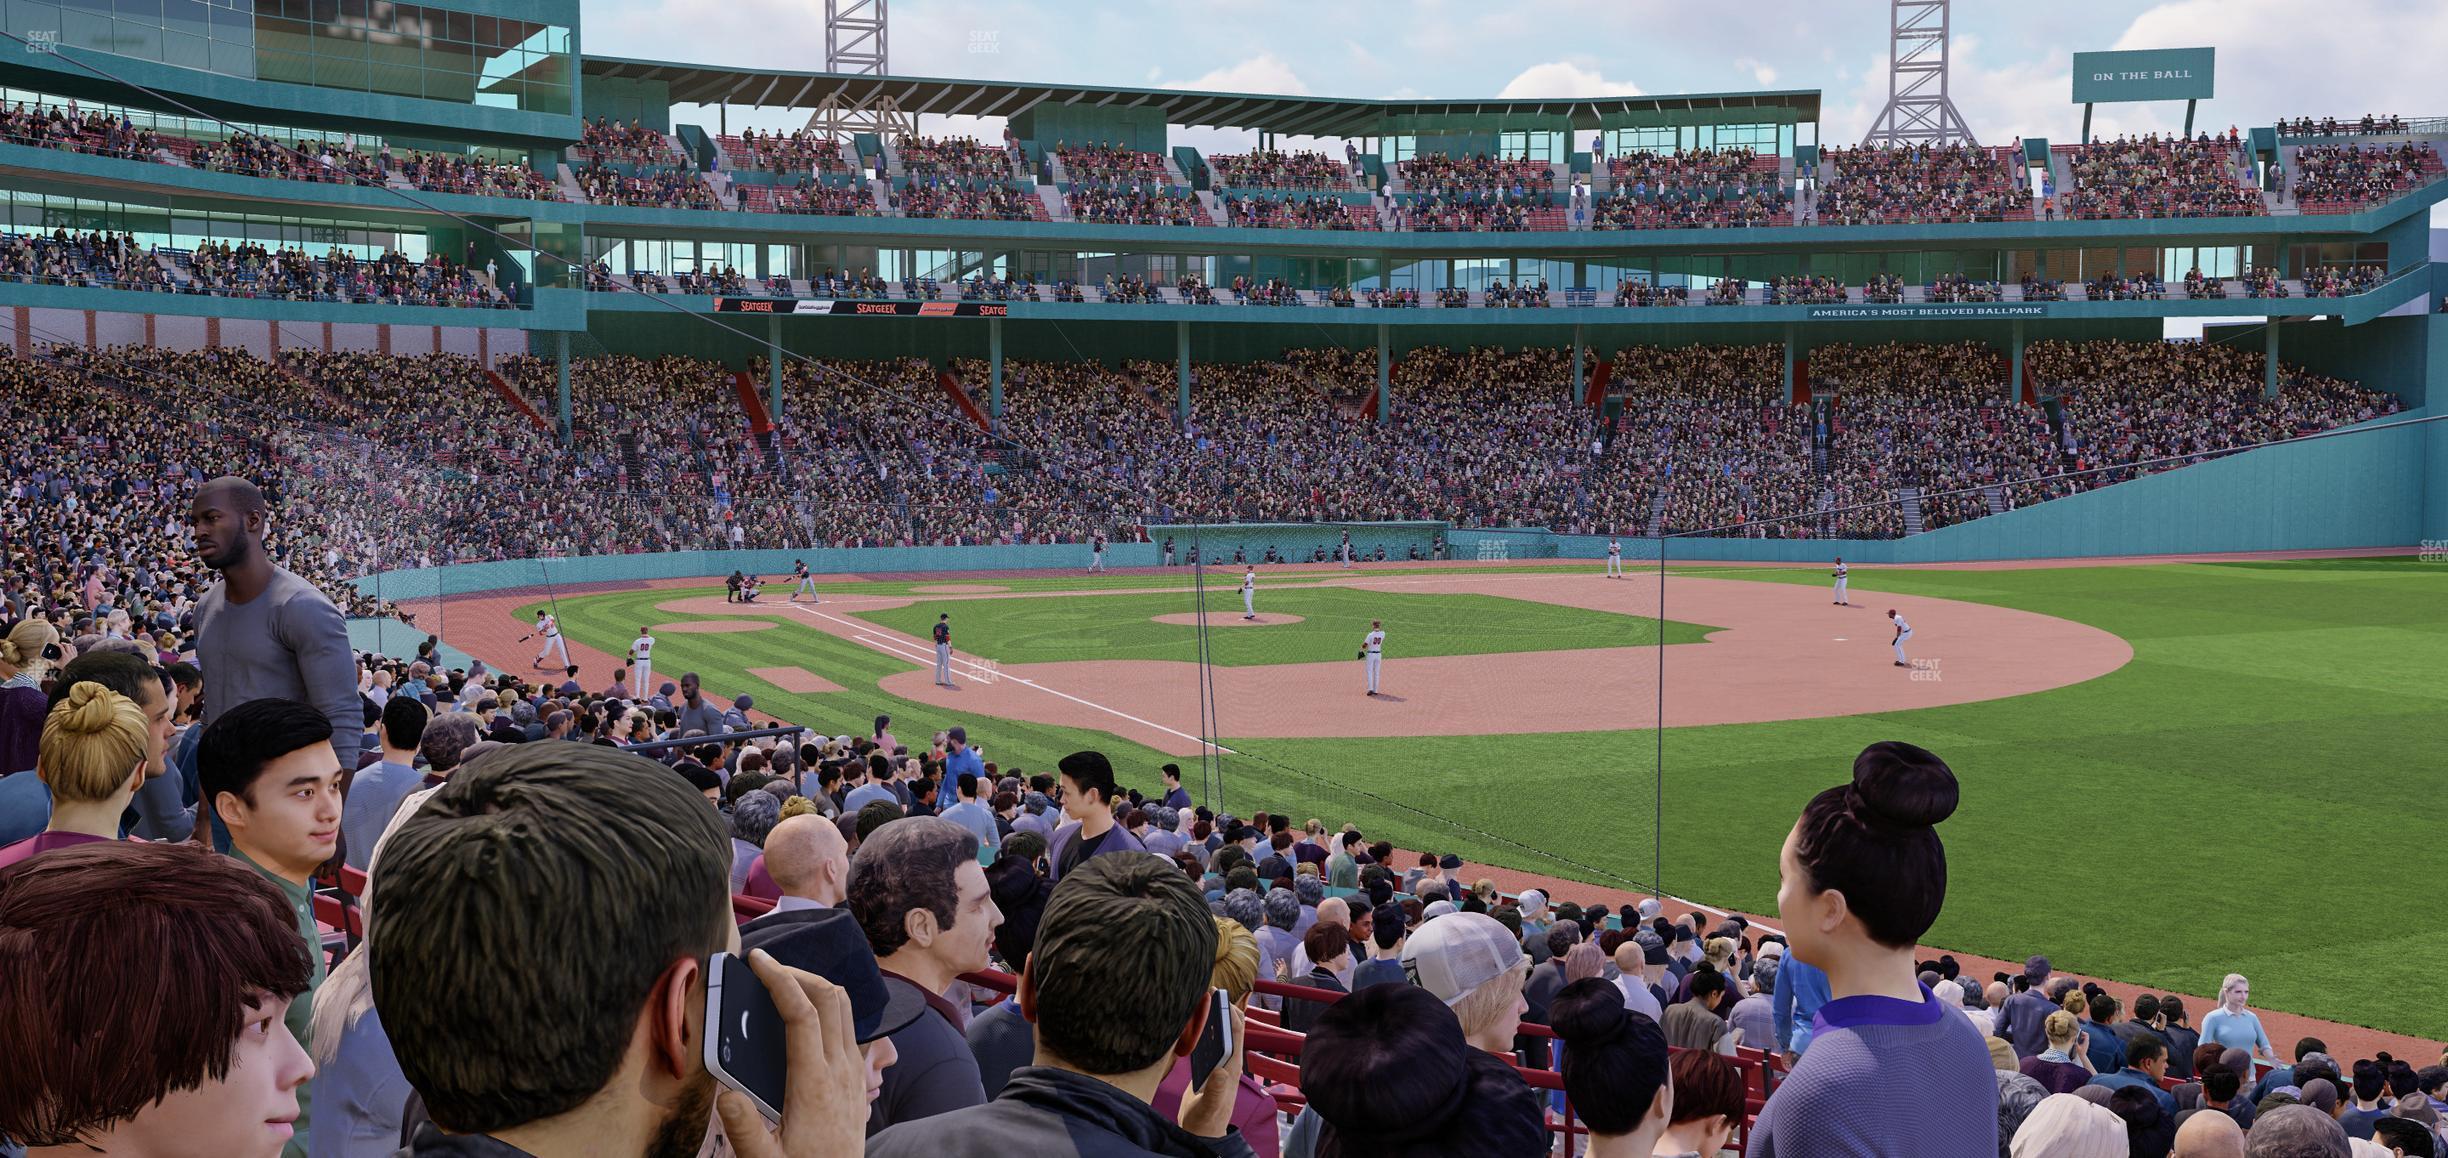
x,y
713,626
957,589
796,680
1229,619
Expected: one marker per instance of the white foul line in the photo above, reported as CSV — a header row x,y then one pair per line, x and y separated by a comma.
x,y
912,652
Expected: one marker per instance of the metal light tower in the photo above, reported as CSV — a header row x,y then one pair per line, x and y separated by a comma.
x,y
855,44
1918,111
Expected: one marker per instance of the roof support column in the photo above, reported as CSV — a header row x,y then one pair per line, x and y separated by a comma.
x,y
1385,373
994,372
2269,360
1580,385
773,366
561,377
1181,371
2016,371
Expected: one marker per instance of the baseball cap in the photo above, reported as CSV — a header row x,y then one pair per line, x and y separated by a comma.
x,y
1449,861
1437,909
956,732
1459,952
1532,900
744,702
829,944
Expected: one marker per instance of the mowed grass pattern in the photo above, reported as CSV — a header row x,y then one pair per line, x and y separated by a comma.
x,y
2266,774
1334,622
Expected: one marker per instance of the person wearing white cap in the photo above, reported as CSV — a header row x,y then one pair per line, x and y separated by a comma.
x,y
1471,962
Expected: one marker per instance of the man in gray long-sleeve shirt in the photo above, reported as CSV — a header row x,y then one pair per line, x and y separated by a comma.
x,y
262,632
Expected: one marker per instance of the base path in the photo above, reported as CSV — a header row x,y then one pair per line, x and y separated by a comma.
x,y
1786,653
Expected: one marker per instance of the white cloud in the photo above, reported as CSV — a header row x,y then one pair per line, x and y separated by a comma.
x,y
1762,73
1265,73
1563,78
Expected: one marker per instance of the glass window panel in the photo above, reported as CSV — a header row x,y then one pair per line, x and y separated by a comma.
x,y
185,51
85,30
486,32
141,39
459,26
232,59
138,10
231,25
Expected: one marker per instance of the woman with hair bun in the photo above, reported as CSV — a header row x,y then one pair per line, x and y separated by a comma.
x,y
1890,1070
92,758
1615,1070
25,651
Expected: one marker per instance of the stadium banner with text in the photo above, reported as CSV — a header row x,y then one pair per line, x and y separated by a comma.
x,y
1903,311
2157,74
858,308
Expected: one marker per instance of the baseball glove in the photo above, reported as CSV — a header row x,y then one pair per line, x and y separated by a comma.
x,y
1361,654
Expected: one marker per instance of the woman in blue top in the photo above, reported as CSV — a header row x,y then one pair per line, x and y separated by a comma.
x,y
2234,1026
1890,1072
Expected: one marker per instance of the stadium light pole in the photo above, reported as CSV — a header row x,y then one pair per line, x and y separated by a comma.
x,y
1918,110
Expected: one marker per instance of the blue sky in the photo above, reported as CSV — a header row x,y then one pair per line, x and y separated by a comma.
x,y
2276,57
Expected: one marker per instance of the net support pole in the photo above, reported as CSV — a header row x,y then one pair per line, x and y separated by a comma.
x,y
1181,371
773,366
1385,373
994,371
2016,354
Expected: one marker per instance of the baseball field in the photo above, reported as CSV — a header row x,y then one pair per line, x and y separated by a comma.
x,y
2168,769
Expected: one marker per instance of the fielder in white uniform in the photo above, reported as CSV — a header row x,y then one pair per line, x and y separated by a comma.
x,y
1841,571
1614,559
641,663
1372,651
1249,594
1903,632
550,629
1347,551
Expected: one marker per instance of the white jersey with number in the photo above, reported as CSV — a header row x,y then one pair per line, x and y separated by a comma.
x,y
548,626
1249,581
1376,642
1614,549
642,649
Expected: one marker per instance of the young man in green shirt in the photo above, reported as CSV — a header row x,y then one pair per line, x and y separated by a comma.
x,y
268,771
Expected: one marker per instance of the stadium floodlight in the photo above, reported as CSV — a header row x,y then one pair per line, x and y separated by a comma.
x,y
1918,110
856,45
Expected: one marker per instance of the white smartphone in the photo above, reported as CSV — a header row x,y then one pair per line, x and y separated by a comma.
x,y
744,1042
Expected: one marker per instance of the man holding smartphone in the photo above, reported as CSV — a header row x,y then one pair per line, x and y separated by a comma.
x,y
1117,987
499,1019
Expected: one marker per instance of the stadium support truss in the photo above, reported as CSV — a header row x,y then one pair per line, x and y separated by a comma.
x,y
1918,111
856,45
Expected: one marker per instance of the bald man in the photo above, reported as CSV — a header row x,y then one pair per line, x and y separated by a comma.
x,y
1331,911
809,861
2208,1134
262,632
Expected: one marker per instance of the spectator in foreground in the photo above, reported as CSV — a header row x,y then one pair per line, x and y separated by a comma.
x,y
2059,1069
1388,926
1088,792
1708,1104
1891,1071
1117,989
2296,1132
2065,1126
592,1043
91,757
2210,1135
208,947
1472,963
917,889
1236,973
1616,1070
266,769
2235,1026
375,792
262,632
1390,1074
25,802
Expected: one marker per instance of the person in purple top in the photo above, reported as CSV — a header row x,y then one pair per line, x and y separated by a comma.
x,y
1890,1071
1088,792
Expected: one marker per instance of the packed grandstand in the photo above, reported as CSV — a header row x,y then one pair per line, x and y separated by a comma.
x,y
1694,329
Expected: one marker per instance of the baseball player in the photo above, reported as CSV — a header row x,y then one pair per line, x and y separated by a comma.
x,y
1096,553
641,661
1614,558
1168,551
1903,631
1346,550
1372,651
550,629
807,582
1249,594
1840,572
943,651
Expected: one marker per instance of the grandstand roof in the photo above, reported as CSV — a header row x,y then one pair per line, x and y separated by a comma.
x,y
1289,115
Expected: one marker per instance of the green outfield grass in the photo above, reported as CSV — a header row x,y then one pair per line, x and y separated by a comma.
x,y
1334,621
2268,766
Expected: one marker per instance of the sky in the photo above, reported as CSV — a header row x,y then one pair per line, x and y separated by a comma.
x,y
2010,72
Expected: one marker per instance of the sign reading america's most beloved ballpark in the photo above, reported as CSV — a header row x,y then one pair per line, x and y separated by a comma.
x,y
2157,74
1909,311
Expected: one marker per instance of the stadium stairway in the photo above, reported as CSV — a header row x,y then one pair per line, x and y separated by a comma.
x,y
630,462
1909,498
1995,496
1595,396
569,183
1657,513
880,192
517,400
759,422
960,397
1051,197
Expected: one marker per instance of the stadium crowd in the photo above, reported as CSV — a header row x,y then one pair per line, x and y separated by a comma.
x,y
1134,204
1920,184
798,151
646,189
1277,169
86,259
2343,178
959,158
2154,176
